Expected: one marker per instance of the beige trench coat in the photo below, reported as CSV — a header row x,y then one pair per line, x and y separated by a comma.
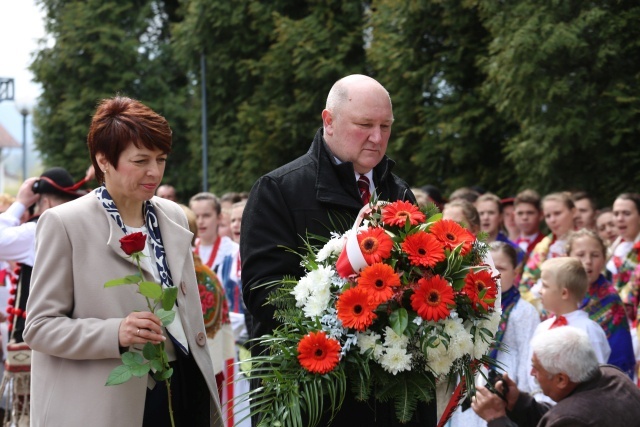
x,y
72,320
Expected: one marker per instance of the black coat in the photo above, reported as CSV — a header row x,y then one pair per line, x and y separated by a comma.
x,y
312,195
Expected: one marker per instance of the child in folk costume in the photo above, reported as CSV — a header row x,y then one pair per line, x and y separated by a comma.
x,y
623,265
559,210
564,286
602,303
222,255
518,321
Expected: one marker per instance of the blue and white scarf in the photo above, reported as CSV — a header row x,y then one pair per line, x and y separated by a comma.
x,y
151,221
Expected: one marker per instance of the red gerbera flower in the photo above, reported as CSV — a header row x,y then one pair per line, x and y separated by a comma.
x,y
375,244
378,280
481,289
354,309
397,213
432,298
451,235
423,249
317,353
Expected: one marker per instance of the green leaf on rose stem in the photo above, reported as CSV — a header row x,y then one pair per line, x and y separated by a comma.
x,y
163,375
132,358
140,370
127,280
150,290
169,296
150,351
166,316
399,320
156,365
121,374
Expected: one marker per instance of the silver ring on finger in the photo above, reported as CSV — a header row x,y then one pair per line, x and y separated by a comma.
x,y
138,332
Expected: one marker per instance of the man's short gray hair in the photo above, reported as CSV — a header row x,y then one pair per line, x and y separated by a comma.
x,y
568,350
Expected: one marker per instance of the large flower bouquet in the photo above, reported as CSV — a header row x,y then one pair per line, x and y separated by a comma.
x,y
401,301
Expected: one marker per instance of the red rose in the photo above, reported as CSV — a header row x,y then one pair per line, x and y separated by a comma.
x,y
134,242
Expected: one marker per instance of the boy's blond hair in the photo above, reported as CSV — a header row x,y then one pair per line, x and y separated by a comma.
x,y
568,273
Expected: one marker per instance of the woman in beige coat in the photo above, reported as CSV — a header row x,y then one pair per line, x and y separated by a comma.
x,y
77,328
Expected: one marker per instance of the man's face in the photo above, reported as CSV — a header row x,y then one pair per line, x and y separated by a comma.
x,y
167,192
585,214
544,378
358,130
527,218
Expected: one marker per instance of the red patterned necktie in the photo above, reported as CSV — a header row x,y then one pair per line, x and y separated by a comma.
x,y
560,321
363,188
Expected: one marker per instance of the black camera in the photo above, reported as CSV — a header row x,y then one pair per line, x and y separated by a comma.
x,y
493,377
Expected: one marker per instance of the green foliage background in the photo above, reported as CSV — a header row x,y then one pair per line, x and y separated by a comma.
x,y
507,95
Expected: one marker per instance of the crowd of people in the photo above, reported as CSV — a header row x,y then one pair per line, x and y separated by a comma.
x,y
563,259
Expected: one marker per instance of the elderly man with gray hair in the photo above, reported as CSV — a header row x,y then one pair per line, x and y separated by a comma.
x,y
567,370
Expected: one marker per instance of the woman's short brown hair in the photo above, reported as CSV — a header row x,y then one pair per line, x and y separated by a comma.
x,y
120,121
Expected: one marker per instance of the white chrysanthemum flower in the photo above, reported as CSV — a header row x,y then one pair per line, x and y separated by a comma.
x,y
492,322
320,278
391,339
439,350
317,303
480,347
460,344
453,326
369,341
333,247
301,291
313,291
396,360
440,365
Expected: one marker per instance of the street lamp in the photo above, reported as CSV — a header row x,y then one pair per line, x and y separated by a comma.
x,y
24,108
24,111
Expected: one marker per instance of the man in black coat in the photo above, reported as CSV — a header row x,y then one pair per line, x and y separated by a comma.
x,y
314,195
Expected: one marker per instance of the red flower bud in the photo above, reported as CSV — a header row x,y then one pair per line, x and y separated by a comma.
x,y
11,301
12,291
18,311
10,310
134,242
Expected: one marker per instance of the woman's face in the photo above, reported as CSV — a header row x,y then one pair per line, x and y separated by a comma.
x,y
558,216
607,229
627,219
139,173
506,268
589,252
